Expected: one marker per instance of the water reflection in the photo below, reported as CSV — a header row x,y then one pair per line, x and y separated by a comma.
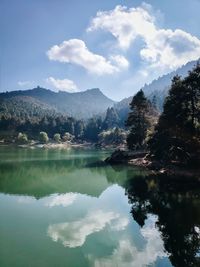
x,y
50,171
175,201
66,208
127,253
108,221
62,200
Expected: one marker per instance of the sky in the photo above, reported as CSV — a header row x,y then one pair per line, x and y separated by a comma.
x,y
74,45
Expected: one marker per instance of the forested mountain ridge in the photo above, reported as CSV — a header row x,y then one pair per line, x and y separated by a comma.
x,y
24,107
79,105
157,89
82,105
165,81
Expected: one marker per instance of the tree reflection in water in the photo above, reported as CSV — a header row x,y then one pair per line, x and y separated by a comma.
x,y
176,202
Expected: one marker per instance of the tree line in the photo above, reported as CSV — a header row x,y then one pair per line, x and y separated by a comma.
x,y
22,127
176,136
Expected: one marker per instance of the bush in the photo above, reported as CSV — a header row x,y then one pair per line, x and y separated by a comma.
x,y
67,137
113,136
57,137
43,137
22,138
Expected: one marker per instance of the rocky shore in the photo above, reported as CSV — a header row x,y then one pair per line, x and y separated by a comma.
x,y
142,159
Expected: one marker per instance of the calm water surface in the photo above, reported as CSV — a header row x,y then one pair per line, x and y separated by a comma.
x,y
63,208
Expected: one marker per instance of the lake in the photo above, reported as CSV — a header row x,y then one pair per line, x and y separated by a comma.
x,y
65,208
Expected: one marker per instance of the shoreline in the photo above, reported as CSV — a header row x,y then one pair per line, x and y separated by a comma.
x,y
118,157
63,145
140,159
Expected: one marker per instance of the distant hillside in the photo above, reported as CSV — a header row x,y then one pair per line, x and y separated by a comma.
x,y
79,105
23,107
158,88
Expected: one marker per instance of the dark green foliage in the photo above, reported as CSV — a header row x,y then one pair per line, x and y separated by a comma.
x,y
92,130
24,107
79,105
79,129
111,119
137,121
177,135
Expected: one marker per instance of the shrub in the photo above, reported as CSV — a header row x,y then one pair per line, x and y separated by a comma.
x,y
113,136
22,138
67,137
57,137
43,137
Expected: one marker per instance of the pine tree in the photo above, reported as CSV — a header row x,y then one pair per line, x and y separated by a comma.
x,y
176,137
111,119
137,121
192,84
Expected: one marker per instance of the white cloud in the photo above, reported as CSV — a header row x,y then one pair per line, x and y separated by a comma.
x,y
171,49
120,61
74,234
25,83
62,200
124,24
128,255
75,51
163,48
64,85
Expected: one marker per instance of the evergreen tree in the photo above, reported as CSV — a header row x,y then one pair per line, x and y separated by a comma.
x,y
92,130
137,121
154,102
192,84
79,129
111,119
176,136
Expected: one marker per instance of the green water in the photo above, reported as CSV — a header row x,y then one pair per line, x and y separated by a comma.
x,y
65,208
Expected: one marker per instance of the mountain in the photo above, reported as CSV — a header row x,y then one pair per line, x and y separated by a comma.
x,y
79,105
158,88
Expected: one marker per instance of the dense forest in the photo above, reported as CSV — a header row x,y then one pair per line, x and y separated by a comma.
x,y
21,121
175,138
81,105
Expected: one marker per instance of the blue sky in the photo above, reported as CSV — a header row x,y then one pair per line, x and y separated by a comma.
x,y
116,46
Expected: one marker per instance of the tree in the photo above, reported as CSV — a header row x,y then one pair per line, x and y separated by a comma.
x,y
22,138
154,101
176,136
113,136
92,130
78,129
111,119
67,137
137,121
192,84
43,137
57,137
